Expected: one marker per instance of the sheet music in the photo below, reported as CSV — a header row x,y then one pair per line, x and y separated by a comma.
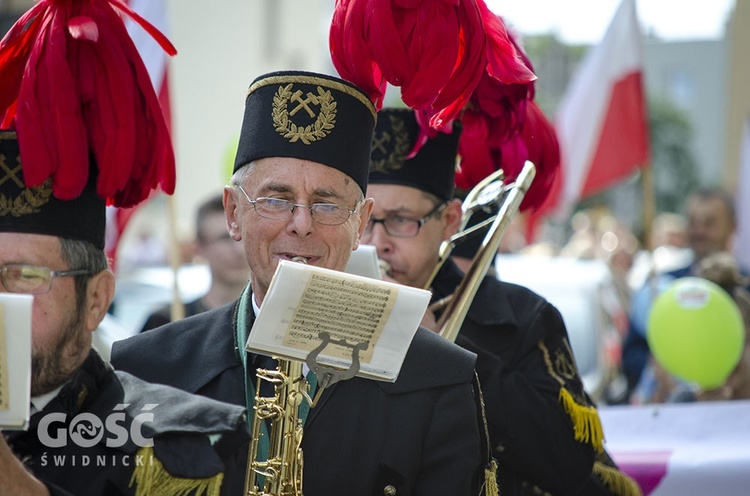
x,y
15,360
303,301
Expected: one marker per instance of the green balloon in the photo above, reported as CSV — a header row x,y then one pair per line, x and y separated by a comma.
x,y
695,331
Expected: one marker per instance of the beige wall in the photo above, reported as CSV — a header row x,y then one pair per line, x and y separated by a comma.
x,y
738,88
222,46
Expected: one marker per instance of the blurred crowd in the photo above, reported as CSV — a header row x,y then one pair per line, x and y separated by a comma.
x,y
697,243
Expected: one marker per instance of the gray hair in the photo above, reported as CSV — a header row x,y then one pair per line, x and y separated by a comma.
x,y
241,174
77,255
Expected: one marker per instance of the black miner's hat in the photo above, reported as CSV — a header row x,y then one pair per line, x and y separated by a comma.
x,y
82,125
432,169
36,210
308,116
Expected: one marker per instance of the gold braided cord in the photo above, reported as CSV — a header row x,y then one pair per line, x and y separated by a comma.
x,y
616,481
490,485
7,135
152,478
319,81
586,422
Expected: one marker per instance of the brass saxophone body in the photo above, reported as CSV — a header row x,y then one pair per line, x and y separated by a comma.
x,y
280,474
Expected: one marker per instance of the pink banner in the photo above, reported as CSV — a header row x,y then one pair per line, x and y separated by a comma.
x,y
682,449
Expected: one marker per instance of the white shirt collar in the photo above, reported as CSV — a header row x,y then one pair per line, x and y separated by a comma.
x,y
39,402
256,307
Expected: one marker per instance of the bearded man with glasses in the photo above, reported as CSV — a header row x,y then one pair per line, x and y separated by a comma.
x,y
56,254
70,149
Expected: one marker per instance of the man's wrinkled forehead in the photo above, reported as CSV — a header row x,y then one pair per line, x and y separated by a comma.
x,y
268,174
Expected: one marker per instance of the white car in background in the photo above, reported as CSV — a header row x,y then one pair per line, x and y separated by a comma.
x,y
140,291
583,291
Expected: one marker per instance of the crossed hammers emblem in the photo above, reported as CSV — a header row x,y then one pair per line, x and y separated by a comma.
x,y
304,104
379,143
10,174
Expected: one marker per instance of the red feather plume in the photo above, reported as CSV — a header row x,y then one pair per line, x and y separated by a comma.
x,y
452,59
538,143
436,51
72,84
503,127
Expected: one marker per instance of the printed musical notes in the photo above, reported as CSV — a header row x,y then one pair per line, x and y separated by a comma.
x,y
303,301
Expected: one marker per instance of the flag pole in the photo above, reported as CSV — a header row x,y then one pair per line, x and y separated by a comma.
x,y
649,206
177,309
742,199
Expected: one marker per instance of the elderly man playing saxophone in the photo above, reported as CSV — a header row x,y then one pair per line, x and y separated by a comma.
x,y
298,193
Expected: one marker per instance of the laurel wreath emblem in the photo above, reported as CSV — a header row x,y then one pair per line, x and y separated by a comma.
x,y
27,202
401,147
322,127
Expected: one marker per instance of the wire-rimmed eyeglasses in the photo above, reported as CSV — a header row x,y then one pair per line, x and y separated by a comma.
x,y
403,227
33,279
327,214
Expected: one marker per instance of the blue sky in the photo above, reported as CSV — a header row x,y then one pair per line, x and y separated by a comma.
x,y
585,21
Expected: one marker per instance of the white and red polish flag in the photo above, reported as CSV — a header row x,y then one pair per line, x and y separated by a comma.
x,y
602,120
156,61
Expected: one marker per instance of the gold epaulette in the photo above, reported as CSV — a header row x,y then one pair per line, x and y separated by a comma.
x,y
616,481
150,477
586,422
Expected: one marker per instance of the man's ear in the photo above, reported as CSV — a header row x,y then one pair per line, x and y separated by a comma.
x,y
230,212
452,218
99,295
364,216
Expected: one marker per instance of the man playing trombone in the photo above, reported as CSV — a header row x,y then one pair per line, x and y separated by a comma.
x,y
544,430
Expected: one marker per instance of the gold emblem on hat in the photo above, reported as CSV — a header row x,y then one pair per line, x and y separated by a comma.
x,y
28,201
325,119
401,146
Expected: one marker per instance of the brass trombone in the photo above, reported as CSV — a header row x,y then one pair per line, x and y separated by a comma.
x,y
489,194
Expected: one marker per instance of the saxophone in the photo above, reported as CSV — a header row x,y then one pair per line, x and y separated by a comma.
x,y
280,474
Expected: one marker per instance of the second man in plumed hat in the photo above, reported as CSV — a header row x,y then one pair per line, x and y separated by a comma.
x,y
544,431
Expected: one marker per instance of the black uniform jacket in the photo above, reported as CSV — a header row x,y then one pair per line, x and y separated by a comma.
x,y
93,436
163,315
509,326
419,434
